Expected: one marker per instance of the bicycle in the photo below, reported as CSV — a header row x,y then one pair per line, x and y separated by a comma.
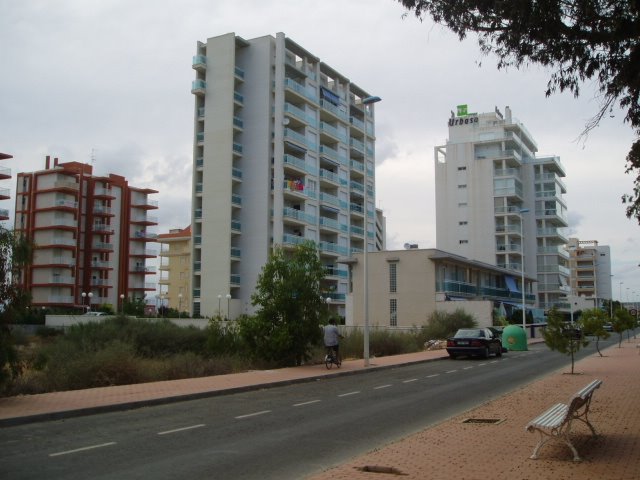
x,y
331,359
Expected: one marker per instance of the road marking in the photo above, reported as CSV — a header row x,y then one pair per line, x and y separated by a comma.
x,y
482,364
468,368
255,414
175,430
433,375
382,386
451,371
350,393
495,361
410,380
82,449
306,403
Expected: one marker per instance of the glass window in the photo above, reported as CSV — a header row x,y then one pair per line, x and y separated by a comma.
x,y
393,278
393,312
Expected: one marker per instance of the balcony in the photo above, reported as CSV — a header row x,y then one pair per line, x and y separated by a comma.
x,y
298,113
299,215
329,176
330,107
199,63
198,87
236,200
357,123
238,99
102,210
237,149
239,73
102,228
5,173
144,203
236,226
300,90
234,280
102,246
333,248
333,132
101,264
457,288
4,214
236,253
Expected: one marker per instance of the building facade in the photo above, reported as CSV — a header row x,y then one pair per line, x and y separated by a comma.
x,y
5,174
283,152
174,269
590,270
498,202
90,236
406,286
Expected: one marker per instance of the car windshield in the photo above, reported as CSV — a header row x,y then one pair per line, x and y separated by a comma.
x,y
466,333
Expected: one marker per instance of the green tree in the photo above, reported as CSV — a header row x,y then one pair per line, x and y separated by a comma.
x,y
562,337
622,321
133,306
593,320
290,307
15,255
595,41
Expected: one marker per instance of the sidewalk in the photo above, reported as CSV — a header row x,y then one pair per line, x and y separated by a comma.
x,y
455,450
451,449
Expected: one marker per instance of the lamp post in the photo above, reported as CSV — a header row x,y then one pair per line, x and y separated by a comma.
x,y
524,315
84,296
620,293
228,301
122,303
365,271
219,311
89,295
179,304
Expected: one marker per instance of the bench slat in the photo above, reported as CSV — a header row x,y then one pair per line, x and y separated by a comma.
x,y
552,417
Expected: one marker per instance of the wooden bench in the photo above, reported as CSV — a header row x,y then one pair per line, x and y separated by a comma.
x,y
556,421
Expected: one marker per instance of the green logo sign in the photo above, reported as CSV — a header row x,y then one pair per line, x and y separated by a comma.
x,y
462,110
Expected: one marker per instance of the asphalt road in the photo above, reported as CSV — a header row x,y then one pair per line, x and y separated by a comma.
x,y
284,432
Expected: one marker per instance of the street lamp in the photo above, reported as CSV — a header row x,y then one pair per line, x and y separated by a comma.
x,y
219,311
366,101
524,316
84,296
90,294
179,304
122,303
228,300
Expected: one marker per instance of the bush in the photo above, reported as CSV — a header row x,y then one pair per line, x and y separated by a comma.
x,y
441,325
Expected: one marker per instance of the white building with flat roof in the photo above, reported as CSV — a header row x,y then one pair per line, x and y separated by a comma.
x,y
499,202
283,152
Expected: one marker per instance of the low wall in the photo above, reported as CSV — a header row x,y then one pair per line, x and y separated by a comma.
x,y
480,309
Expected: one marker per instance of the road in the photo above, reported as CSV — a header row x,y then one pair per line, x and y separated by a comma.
x,y
284,432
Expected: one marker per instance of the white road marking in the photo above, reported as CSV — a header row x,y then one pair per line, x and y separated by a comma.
x,y
350,393
82,449
306,403
482,364
410,380
467,368
451,371
252,414
432,375
382,386
175,430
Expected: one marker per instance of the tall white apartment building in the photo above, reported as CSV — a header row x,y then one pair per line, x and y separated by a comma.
x,y
499,203
283,152
590,270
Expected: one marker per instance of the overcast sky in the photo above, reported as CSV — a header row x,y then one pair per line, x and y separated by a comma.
x,y
108,82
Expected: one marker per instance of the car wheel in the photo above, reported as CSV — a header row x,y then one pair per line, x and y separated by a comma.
x,y
486,353
499,352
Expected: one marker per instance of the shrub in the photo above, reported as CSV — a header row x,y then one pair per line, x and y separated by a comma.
x,y
441,325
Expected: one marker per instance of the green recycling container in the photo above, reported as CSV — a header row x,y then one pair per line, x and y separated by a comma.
x,y
514,338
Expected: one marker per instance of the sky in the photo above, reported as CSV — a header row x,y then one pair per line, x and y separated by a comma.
x,y
107,82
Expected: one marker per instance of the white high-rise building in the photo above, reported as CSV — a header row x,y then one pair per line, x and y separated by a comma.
x,y
499,203
590,270
283,152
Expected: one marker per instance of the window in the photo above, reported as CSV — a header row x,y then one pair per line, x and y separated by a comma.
x,y
462,168
393,312
462,204
393,277
464,242
464,185
462,223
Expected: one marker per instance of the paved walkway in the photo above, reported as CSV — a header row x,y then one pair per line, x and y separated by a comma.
x,y
451,449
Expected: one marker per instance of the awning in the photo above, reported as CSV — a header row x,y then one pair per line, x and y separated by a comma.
x,y
329,96
511,284
293,146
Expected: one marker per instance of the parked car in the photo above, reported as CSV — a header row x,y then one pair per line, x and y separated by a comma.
x,y
572,331
608,327
95,314
474,341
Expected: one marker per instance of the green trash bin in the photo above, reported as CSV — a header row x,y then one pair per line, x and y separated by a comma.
x,y
514,338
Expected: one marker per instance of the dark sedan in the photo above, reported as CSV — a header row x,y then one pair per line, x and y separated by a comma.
x,y
474,341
